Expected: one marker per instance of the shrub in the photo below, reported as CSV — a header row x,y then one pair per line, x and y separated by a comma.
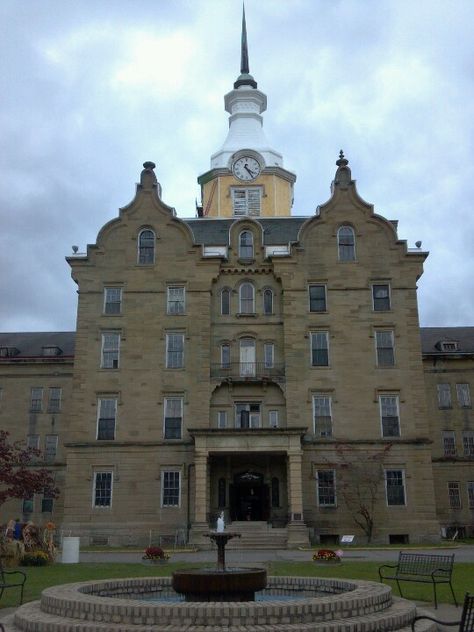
x,y
327,555
155,553
35,558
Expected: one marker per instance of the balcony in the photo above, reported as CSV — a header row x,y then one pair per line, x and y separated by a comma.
x,y
248,372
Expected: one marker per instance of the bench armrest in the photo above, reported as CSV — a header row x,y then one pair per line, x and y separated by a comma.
x,y
432,619
386,566
15,573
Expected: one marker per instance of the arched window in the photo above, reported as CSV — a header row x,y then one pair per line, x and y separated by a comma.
x,y
267,301
247,298
146,246
246,245
225,356
346,243
247,357
225,301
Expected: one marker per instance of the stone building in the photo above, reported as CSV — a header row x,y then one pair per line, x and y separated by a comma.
x,y
247,361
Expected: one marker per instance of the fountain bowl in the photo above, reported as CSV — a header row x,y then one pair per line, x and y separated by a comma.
x,y
208,584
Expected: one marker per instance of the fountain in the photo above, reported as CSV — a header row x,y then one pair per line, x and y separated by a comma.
x,y
221,583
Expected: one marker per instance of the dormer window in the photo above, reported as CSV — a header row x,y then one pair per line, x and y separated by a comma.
x,y
246,245
452,345
246,201
50,351
8,352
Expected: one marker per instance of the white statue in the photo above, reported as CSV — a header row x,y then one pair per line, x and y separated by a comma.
x,y
220,523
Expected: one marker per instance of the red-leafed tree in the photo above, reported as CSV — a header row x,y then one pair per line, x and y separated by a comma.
x,y
19,475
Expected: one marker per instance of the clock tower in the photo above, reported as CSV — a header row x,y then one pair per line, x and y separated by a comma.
x,y
247,177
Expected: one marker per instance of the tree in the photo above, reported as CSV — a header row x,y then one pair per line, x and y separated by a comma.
x,y
360,481
19,476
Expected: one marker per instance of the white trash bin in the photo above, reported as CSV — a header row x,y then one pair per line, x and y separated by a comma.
x,y
70,550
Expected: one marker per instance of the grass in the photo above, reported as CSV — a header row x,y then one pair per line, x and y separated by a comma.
x,y
42,577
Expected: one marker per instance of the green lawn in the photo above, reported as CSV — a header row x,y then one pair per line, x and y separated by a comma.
x,y
42,577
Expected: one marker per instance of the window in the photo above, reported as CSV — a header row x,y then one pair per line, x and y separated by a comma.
x,y
112,300
247,298
454,495
468,442
246,201
50,447
381,297
54,400
225,302
174,351
107,413
225,356
470,494
326,488
36,405
319,348
464,395
222,419
246,245
176,300
389,415
449,346
267,301
110,350
322,418
170,488
346,243
102,493
384,347
146,247
395,487
33,441
173,417
47,502
268,354
317,298
444,395
273,418
247,357
449,443
51,351
247,415
28,505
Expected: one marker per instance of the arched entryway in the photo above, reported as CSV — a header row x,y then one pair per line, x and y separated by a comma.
x,y
249,497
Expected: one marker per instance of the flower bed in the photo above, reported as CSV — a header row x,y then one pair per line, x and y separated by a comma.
x,y
328,555
155,554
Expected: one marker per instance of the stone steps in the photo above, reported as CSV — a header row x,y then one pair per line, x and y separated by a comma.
x,y
257,535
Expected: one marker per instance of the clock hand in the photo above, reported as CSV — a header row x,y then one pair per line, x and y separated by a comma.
x,y
246,167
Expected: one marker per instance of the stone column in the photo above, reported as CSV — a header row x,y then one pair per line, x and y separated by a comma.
x,y
200,524
297,530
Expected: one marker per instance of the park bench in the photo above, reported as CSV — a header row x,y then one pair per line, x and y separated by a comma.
x,y
467,618
7,580
423,568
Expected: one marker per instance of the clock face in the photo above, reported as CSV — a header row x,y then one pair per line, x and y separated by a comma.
x,y
246,168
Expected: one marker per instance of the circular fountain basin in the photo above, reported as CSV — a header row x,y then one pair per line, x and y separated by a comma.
x,y
207,584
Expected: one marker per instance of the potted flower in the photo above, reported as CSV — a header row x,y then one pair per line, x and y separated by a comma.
x,y
155,555
327,556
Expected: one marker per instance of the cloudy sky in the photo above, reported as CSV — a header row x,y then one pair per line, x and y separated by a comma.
x,y
91,89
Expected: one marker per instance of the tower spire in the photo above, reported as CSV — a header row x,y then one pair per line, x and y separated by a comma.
x,y
245,78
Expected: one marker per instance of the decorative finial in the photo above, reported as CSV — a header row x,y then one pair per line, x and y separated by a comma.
x,y
245,78
147,177
342,162
149,165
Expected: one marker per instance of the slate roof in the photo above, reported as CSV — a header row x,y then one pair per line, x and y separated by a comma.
x,y
431,336
276,230
30,344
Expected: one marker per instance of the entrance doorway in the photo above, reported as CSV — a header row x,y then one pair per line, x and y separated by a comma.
x,y
249,497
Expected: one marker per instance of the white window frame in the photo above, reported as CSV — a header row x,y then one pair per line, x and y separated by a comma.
x,y
318,311
112,307
396,397
268,355
267,291
454,495
402,471
94,489
445,400
54,403
173,306
328,400
380,284
468,442
33,441
312,335
171,361
222,419
101,401
139,247
379,349
332,489
166,400
470,494
36,399
250,246
245,206
341,258
255,418
273,419
247,368
115,364
449,443
225,349
163,475
463,393
250,301
49,454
